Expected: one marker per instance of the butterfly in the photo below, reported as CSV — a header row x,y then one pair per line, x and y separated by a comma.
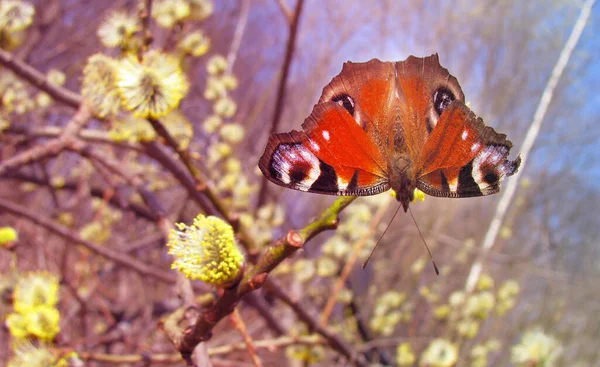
x,y
399,125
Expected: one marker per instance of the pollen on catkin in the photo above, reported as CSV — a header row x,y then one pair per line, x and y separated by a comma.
x,y
7,235
99,87
117,29
34,301
167,13
195,44
206,250
153,86
26,353
418,196
36,289
16,15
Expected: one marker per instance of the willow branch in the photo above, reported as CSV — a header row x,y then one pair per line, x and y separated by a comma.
x,y
74,239
39,80
133,180
51,148
261,306
532,133
115,200
174,358
287,13
88,135
287,63
256,276
356,250
240,325
313,323
238,34
200,185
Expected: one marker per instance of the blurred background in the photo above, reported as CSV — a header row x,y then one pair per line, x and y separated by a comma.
x,y
536,303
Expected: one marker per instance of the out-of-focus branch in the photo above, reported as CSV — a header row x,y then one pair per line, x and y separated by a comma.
x,y
356,250
200,185
532,133
38,79
145,13
95,191
74,239
133,180
174,358
313,323
264,309
51,148
238,34
240,325
255,278
287,63
89,135
287,13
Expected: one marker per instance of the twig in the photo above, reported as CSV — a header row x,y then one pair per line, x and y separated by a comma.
x,y
238,34
146,34
115,200
173,358
332,339
51,148
341,281
199,185
89,135
532,132
184,154
262,307
289,53
150,358
133,180
283,341
255,277
238,323
74,239
287,13
38,79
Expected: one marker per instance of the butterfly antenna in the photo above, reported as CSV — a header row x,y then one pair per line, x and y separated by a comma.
x,y
437,272
364,265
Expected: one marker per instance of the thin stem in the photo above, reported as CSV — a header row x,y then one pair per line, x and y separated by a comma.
x,y
532,133
289,54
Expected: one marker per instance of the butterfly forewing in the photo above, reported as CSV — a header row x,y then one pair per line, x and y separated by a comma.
x,y
333,155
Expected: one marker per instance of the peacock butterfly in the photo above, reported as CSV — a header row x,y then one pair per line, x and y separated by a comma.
x,y
399,125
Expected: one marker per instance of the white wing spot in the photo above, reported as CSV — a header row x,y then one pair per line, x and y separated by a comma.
x,y
305,153
475,147
465,135
325,134
342,184
314,145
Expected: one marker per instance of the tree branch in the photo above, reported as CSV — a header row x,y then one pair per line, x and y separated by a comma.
x,y
255,278
51,148
289,54
74,239
38,79
532,132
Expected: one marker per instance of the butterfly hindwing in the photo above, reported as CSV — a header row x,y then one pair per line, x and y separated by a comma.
x,y
333,155
463,157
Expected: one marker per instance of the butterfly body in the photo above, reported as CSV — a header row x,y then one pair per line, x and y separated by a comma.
x,y
381,125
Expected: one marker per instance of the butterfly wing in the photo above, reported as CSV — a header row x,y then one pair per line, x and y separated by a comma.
x,y
367,91
423,88
333,155
463,157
